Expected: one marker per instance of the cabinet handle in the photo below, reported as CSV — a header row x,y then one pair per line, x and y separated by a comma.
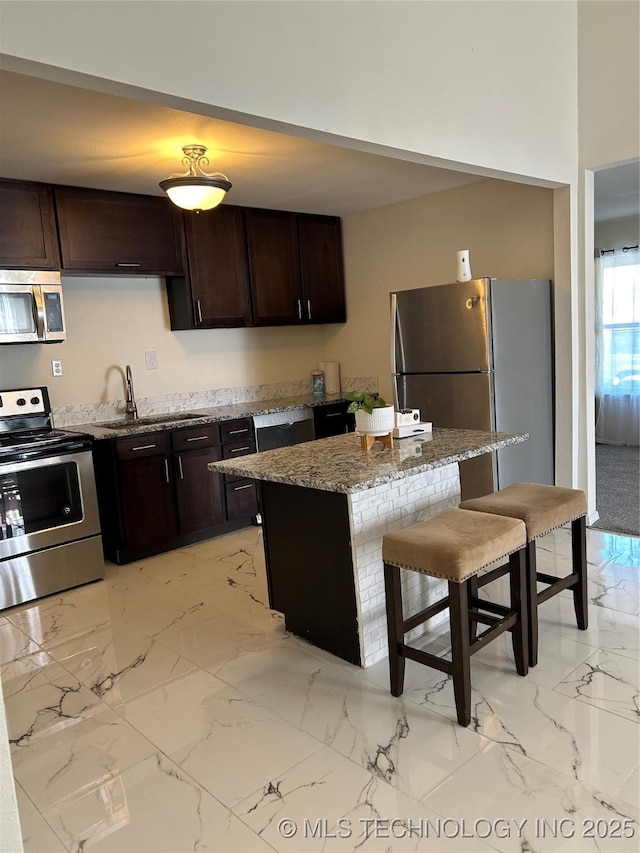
x,y
299,309
333,415
128,265
199,309
309,308
237,431
239,449
240,488
180,471
198,438
166,469
144,447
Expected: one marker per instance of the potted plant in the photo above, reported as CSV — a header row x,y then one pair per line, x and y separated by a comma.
x,y
373,415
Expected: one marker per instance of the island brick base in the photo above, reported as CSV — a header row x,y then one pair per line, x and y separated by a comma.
x,y
374,512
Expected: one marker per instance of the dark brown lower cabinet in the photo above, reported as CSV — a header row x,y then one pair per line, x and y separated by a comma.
x,y
156,492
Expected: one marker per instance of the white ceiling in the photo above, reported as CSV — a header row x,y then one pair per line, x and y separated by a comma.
x,y
61,134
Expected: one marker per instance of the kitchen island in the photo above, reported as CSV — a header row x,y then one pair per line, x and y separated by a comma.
x,y
326,506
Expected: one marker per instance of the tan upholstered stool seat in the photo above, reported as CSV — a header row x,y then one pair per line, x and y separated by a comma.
x,y
455,544
542,508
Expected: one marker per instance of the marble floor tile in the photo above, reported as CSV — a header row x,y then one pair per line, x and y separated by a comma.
x,y
389,737
218,735
591,746
117,661
153,807
165,708
607,681
328,803
150,606
78,757
57,617
218,640
521,795
37,835
13,642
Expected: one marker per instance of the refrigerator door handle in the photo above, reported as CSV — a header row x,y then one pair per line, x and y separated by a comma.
x,y
394,317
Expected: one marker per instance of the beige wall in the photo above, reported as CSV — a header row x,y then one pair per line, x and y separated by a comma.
x,y
508,229
112,321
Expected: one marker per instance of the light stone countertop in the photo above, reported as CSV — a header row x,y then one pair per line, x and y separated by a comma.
x,y
215,414
339,464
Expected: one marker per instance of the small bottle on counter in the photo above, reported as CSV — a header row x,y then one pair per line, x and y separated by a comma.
x,y
317,382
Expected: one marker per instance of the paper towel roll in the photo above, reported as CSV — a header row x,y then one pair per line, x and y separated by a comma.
x,y
331,371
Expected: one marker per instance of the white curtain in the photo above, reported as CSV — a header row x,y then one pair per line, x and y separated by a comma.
x,y
618,348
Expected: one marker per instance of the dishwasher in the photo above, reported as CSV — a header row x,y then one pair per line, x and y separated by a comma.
x,y
281,429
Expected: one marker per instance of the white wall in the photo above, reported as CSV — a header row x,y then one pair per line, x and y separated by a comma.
x,y
485,83
507,227
609,134
617,233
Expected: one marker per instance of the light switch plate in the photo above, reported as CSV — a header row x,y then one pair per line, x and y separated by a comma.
x,y
151,357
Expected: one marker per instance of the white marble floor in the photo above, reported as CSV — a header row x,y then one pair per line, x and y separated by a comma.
x,y
165,709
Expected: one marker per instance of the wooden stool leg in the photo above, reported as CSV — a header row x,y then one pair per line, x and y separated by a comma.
x,y
460,652
532,601
395,624
579,559
520,602
474,588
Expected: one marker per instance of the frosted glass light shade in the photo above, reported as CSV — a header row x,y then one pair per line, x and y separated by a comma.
x,y
194,193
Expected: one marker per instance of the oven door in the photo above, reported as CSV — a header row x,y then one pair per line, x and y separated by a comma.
x,y
47,502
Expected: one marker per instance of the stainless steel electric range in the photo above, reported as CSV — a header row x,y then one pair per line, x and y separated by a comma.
x,y
49,523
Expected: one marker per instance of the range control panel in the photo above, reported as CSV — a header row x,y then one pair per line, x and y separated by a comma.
x,y
24,401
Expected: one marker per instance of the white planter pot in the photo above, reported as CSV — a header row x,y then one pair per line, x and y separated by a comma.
x,y
380,422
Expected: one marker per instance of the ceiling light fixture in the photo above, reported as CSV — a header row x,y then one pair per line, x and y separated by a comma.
x,y
196,190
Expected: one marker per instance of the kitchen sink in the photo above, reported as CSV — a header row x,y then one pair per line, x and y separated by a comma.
x,y
169,418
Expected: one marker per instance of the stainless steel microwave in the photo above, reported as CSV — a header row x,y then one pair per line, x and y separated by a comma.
x,y
31,307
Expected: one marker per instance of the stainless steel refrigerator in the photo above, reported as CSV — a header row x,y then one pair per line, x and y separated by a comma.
x,y
479,355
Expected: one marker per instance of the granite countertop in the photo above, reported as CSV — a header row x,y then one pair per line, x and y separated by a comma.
x,y
339,464
198,417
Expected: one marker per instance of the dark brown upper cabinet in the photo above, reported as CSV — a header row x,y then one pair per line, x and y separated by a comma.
x,y
322,269
111,232
274,264
28,238
215,291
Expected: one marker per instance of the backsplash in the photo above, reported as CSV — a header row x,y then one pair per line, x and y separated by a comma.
x,y
87,413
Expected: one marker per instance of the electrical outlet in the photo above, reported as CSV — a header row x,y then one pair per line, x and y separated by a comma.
x,y
151,357
56,367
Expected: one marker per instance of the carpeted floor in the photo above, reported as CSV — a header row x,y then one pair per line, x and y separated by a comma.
x,y
618,488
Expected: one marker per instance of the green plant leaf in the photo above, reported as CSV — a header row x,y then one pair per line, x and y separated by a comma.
x,y
353,407
355,396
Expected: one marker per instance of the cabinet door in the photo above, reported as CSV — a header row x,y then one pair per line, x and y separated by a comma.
x,y
332,419
28,238
218,268
242,499
118,232
199,490
320,239
148,513
274,267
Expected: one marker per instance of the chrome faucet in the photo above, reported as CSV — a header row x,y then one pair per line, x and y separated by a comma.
x,y
131,408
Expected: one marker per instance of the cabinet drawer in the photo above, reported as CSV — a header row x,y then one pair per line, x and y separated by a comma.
x,y
242,499
238,448
147,444
195,437
236,430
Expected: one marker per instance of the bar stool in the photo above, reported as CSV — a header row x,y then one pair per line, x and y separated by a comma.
x,y
543,508
456,545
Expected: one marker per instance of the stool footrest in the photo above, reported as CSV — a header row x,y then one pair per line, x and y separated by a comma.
x,y
429,660
500,626
493,575
555,585
423,615
491,606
